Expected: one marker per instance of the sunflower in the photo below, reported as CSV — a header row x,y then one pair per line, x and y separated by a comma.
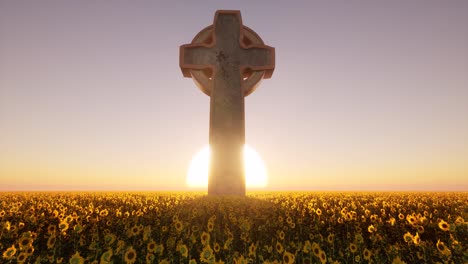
x,y
216,247
252,249
279,247
159,249
416,239
134,231
408,237
30,250
210,226
205,238
281,235
106,256
22,257
150,257
322,256
103,213
316,249
331,238
184,250
76,258
367,254
442,248
178,226
109,238
411,219
9,253
51,242
397,260
130,255
401,216
24,242
63,226
51,229
420,229
151,246
444,226
353,248
193,261
318,212
288,258
207,254
307,247
371,229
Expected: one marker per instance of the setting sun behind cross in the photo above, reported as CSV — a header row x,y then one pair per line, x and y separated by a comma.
x,y
255,171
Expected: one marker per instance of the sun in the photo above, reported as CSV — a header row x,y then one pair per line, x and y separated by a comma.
x,y
255,171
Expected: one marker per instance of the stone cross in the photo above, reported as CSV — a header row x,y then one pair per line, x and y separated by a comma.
x,y
227,60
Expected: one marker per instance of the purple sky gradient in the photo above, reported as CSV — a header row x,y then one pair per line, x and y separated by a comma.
x,y
365,94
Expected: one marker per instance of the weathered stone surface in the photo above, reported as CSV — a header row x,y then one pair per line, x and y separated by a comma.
x,y
227,60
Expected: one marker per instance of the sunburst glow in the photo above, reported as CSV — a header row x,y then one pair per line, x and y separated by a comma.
x,y
255,171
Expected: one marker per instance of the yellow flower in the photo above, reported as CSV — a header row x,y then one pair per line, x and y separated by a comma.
x,y
331,238
10,252
210,226
63,226
76,258
252,249
184,250
318,212
51,229
151,246
150,257
353,248
51,242
408,237
205,238
367,254
307,247
444,226
401,216
371,229
217,247
103,213
24,242
281,235
109,238
22,257
207,254
288,258
316,249
442,248
130,255
397,260
193,261
323,257
416,239
178,226
106,256
279,247
411,219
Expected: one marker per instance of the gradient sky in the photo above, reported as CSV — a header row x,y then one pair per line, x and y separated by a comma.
x,y
366,95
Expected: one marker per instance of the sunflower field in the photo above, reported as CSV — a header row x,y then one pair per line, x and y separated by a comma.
x,y
264,227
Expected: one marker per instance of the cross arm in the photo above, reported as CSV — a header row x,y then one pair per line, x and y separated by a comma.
x,y
195,57
259,58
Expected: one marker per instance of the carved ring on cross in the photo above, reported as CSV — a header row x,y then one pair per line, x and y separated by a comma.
x,y
250,79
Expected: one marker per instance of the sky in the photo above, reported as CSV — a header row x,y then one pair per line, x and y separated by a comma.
x,y
366,95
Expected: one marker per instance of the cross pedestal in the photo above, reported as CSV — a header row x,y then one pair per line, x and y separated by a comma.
x,y
227,60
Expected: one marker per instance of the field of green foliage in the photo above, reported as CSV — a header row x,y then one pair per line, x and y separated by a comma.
x,y
264,227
